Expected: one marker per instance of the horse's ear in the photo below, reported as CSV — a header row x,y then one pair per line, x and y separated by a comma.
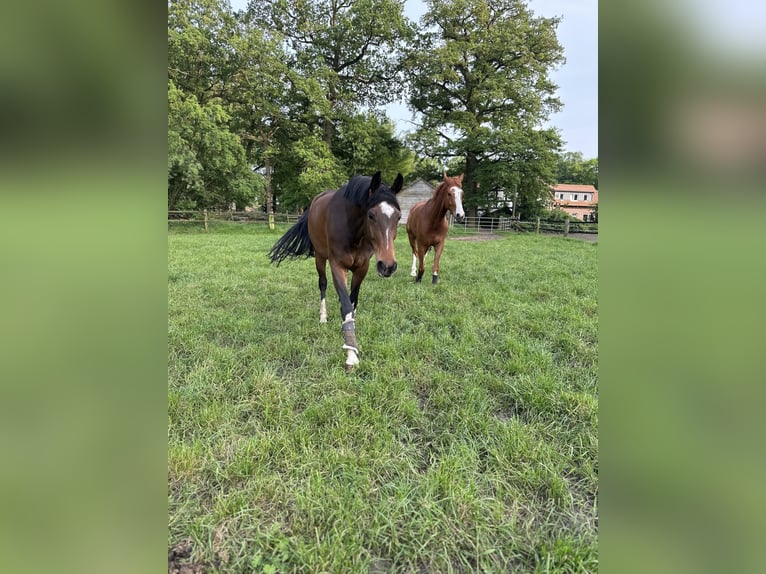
x,y
444,173
375,183
460,178
398,183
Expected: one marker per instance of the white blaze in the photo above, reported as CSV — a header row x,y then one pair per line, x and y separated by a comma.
x,y
387,208
458,201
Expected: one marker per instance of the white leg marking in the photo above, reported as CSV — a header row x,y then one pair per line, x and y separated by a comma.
x,y
323,311
351,358
414,271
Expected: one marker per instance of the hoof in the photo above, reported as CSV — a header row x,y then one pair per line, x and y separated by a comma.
x,y
434,279
352,359
322,320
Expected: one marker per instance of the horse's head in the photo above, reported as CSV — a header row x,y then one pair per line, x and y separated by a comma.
x,y
453,199
383,214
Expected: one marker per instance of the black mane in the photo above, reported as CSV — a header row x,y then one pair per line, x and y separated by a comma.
x,y
356,190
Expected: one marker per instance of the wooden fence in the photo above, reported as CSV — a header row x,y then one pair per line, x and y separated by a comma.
x,y
468,225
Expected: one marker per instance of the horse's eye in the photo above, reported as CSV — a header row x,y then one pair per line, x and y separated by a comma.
x,y
371,215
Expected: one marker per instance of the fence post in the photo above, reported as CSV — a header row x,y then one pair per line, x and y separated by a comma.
x,y
271,221
537,230
566,228
205,220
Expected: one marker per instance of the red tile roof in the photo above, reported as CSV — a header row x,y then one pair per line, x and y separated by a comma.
x,y
571,187
574,187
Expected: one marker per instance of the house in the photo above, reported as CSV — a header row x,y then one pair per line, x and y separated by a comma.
x,y
577,200
418,190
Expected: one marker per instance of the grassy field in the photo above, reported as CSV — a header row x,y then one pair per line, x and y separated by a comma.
x,y
466,440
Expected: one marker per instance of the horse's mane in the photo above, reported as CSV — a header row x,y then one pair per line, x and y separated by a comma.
x,y
357,188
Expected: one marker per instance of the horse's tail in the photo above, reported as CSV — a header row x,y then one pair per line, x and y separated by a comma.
x,y
294,243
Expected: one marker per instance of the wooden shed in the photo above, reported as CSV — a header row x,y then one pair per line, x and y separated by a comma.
x,y
418,190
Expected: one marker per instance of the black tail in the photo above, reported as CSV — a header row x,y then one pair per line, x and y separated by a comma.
x,y
294,243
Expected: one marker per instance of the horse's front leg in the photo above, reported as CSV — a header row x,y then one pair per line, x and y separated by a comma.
x,y
414,247
421,262
356,282
347,313
438,248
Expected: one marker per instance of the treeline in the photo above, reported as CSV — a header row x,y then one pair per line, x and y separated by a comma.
x,y
272,104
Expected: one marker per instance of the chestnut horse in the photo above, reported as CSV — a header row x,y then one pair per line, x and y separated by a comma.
x,y
427,224
345,227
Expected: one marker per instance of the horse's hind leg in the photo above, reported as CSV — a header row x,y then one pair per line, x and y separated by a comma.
x,y
321,264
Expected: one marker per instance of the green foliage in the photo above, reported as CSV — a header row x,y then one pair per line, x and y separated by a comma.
x,y
350,48
304,170
557,215
365,144
520,171
206,162
573,168
200,57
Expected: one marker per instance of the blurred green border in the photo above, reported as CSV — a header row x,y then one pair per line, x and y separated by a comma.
x,y
680,294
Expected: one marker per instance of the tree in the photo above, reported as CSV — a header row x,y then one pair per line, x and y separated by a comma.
x,y
519,171
479,77
351,48
573,168
365,143
267,97
305,169
200,55
206,163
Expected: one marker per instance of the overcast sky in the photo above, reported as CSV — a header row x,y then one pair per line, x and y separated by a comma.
x,y
577,78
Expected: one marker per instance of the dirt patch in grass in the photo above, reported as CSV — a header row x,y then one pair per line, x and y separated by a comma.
x,y
179,561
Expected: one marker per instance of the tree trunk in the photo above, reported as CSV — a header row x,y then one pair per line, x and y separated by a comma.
x,y
469,185
175,192
329,128
269,195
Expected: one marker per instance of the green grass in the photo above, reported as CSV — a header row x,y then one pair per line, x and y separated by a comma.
x,y
466,440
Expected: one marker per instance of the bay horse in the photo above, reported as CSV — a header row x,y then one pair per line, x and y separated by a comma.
x,y
427,224
345,227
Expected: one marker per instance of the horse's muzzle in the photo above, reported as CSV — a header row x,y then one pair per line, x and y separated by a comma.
x,y
459,218
385,270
